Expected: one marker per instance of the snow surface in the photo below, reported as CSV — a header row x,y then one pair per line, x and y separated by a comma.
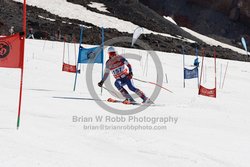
x,y
49,19
170,19
214,42
207,40
99,6
209,132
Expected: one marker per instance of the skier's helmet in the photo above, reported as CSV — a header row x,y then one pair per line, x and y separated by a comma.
x,y
111,51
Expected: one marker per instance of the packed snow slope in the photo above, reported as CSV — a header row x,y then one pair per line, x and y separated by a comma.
x,y
206,132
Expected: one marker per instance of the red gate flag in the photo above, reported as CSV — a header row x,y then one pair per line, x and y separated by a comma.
x,y
69,68
11,51
207,92
12,55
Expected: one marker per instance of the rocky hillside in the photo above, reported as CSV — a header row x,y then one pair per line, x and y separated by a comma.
x,y
224,20
130,10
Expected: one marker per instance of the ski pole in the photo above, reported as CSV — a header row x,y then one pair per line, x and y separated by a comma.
x,y
224,76
112,92
153,84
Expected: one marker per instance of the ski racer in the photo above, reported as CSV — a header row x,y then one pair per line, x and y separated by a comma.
x,y
117,64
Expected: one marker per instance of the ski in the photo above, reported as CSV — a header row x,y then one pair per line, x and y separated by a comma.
x,y
111,100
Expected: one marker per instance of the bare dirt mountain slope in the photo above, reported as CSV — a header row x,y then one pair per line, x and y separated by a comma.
x,y
129,10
